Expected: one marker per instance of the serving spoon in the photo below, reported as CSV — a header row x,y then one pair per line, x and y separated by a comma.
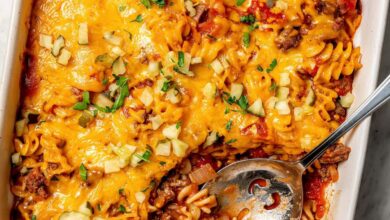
x,y
272,189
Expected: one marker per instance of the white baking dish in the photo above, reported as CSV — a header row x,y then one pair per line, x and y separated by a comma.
x,y
344,193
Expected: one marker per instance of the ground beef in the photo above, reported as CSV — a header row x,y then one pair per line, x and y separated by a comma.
x,y
335,154
37,183
288,38
200,11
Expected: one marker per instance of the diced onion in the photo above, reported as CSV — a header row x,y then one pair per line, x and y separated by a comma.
x,y
284,79
112,165
224,62
102,101
146,97
217,66
140,197
236,90
190,8
45,41
282,93
112,39
163,148
196,60
257,108
153,68
64,57
298,113
203,174
173,96
16,159
117,51
172,131
347,100
209,90
59,43
135,161
124,152
83,33
85,210
20,126
73,216
211,138
118,67
282,107
179,147
271,102
157,121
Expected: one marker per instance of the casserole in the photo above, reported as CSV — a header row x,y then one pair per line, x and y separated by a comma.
x,y
359,95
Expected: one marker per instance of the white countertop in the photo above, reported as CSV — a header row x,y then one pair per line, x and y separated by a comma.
x,y
374,197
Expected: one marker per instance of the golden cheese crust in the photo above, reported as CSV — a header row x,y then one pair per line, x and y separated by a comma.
x,y
118,92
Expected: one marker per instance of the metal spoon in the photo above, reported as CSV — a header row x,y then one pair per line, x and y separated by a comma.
x,y
272,189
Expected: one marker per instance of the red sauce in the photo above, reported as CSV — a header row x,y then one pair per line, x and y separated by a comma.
x,y
266,15
314,188
276,198
343,85
260,128
347,5
256,183
201,160
209,26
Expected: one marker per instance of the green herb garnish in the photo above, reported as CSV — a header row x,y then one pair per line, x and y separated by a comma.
x,y
246,39
105,81
272,66
146,3
83,104
259,68
160,3
138,19
83,172
239,2
227,110
145,156
162,163
121,191
229,125
122,208
33,217
178,124
166,86
273,86
243,103
248,19
151,186
180,62
231,141
122,8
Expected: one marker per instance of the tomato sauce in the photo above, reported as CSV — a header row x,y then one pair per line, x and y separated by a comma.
x,y
314,189
266,15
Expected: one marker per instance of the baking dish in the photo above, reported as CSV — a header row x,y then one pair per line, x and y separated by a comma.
x,y
344,193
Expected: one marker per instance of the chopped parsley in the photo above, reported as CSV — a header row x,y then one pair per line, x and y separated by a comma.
x,y
180,62
121,191
227,110
146,3
99,207
231,141
145,156
166,86
246,39
211,37
248,19
33,217
105,81
122,208
178,124
160,3
162,163
260,69
273,86
272,66
229,125
239,2
121,8
83,172
138,19
228,98
151,186
83,104
123,93
243,103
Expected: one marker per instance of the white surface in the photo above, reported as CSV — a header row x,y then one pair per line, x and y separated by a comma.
x,y
369,37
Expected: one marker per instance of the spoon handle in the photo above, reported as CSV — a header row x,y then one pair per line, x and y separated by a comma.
x,y
380,96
